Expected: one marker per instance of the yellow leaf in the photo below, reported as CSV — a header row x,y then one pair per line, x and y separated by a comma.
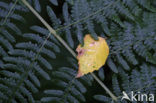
x,y
92,55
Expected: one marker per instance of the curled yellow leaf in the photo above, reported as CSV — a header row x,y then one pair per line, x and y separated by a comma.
x,y
92,55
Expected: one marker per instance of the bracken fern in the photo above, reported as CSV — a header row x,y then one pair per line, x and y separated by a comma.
x,y
35,67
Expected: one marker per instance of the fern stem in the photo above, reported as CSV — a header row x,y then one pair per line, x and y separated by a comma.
x,y
66,46
6,17
49,28
104,86
92,14
27,71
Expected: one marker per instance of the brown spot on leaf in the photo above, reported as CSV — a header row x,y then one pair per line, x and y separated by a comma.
x,y
79,74
80,52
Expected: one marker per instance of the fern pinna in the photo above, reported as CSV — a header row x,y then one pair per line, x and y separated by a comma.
x,y
36,68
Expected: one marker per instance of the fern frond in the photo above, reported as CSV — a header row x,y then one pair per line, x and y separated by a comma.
x,y
141,79
45,32
56,22
67,22
40,40
55,2
5,43
35,68
68,89
112,65
14,28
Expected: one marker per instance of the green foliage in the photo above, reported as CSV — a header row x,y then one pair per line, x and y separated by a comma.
x,y
33,73
138,80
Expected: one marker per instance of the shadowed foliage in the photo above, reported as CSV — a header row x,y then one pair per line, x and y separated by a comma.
x,y
32,73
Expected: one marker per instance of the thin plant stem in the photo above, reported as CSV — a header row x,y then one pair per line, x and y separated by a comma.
x,y
52,31
4,22
49,28
27,71
83,19
103,86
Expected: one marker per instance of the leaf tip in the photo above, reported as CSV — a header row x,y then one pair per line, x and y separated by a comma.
x,y
79,74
